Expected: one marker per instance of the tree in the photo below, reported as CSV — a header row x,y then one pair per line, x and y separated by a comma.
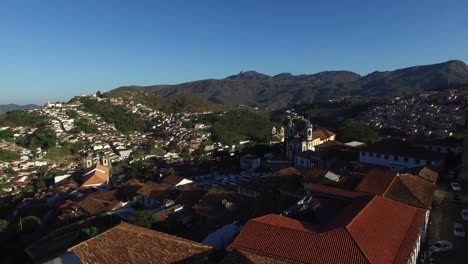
x,y
8,155
170,171
144,218
3,225
185,152
29,223
6,134
353,130
40,185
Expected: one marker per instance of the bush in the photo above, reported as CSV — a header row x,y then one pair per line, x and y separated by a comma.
x,y
43,137
29,224
353,130
144,218
8,155
22,118
6,134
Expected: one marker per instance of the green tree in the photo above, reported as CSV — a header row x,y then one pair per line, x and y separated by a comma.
x,y
6,134
3,225
144,218
90,232
8,155
40,185
353,130
185,152
43,137
29,224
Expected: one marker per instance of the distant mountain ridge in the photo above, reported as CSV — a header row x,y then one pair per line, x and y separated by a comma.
x,y
257,89
9,107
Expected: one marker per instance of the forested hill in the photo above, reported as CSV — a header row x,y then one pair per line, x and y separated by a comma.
x,y
256,89
181,102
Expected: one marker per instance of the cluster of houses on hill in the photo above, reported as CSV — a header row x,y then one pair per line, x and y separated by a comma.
x,y
427,113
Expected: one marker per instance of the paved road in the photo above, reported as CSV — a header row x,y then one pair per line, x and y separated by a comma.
x,y
441,223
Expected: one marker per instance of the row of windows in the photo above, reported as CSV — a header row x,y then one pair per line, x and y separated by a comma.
x,y
391,157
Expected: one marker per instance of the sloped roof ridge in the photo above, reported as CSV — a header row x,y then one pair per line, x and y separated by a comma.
x,y
356,243
415,214
139,230
409,189
305,229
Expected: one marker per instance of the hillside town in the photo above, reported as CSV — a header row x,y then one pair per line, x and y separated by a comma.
x,y
431,113
96,189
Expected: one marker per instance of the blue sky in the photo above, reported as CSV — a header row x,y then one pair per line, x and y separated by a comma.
x,y
57,49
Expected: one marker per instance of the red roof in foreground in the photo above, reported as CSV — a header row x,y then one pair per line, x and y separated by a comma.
x,y
289,240
386,231
126,243
382,231
376,181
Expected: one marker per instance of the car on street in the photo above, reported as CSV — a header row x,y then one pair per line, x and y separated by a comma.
x,y
458,230
464,214
455,186
441,246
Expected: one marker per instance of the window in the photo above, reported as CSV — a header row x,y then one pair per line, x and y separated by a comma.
x,y
428,163
417,161
395,157
378,156
371,154
386,157
406,159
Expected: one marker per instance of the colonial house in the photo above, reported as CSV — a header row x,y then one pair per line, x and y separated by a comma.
x,y
177,182
249,162
153,195
341,238
399,155
219,207
440,146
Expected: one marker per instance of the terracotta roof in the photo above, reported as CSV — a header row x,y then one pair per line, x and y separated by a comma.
x,y
411,190
190,197
338,192
428,173
127,243
158,191
101,202
286,239
97,174
322,134
172,180
241,256
376,181
214,204
372,230
386,231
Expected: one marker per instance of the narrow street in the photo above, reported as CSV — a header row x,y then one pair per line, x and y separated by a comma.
x,y
441,222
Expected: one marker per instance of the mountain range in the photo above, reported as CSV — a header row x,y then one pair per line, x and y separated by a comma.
x,y
9,107
285,89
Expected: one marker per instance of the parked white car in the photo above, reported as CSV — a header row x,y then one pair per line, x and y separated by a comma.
x,y
441,246
464,214
458,230
455,186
